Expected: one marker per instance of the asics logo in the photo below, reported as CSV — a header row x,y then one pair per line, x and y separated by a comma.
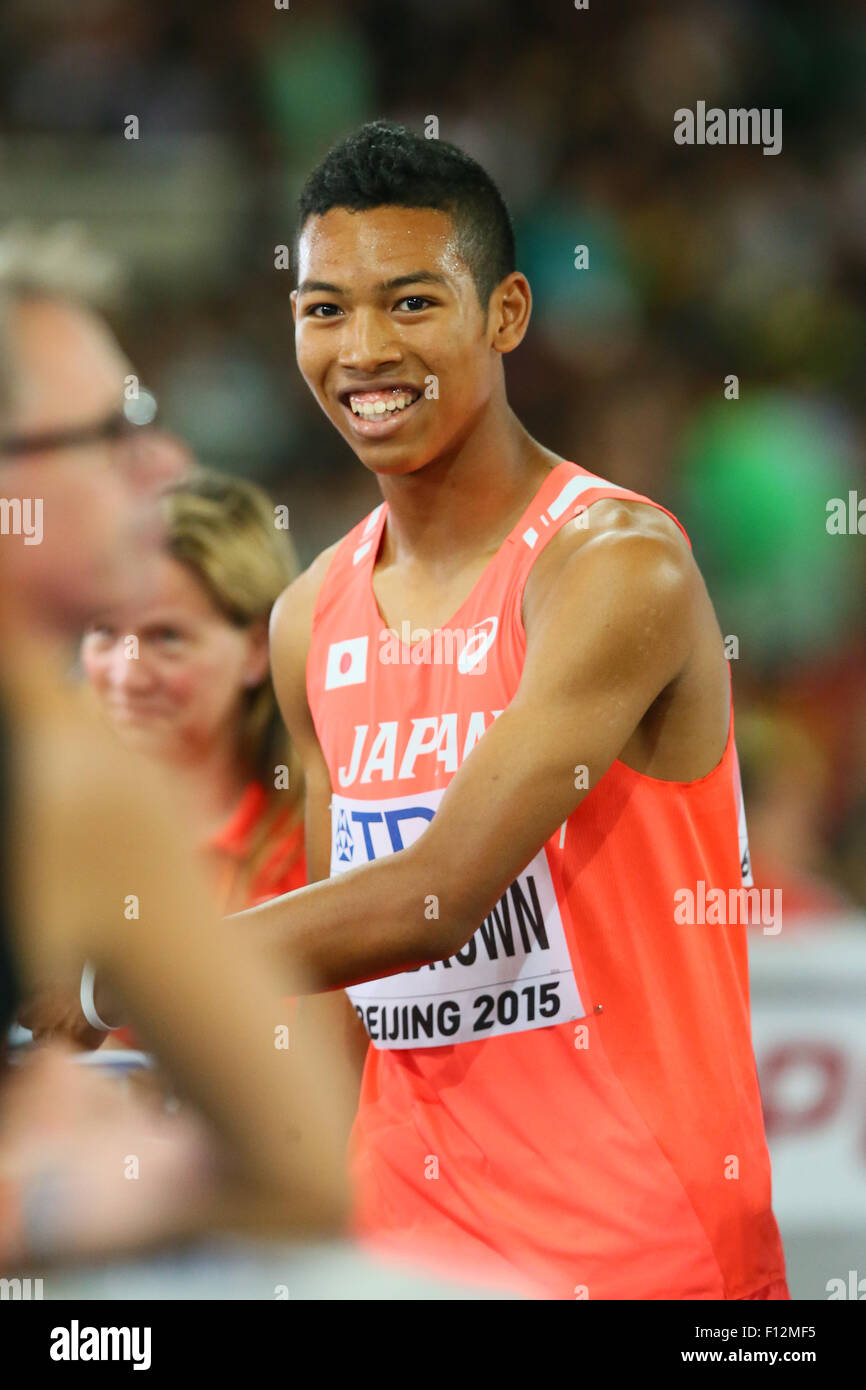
x,y
481,638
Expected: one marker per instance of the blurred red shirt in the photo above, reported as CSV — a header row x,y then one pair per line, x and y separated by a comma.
x,y
280,865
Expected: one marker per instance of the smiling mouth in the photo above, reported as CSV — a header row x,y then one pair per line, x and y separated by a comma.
x,y
380,404
379,411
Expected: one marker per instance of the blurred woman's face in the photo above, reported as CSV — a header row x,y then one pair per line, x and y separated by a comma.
x,y
171,672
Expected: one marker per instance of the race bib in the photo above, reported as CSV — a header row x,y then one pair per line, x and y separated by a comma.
x,y
514,973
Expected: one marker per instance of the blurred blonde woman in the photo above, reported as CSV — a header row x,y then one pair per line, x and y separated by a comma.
x,y
184,677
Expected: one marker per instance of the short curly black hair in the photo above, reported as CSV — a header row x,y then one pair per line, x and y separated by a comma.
x,y
384,164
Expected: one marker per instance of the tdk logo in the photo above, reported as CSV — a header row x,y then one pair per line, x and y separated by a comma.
x,y
345,842
368,830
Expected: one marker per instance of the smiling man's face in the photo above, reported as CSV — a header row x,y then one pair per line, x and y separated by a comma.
x,y
386,303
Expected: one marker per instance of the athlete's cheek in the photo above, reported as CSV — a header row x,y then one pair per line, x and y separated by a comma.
x,y
308,367
314,358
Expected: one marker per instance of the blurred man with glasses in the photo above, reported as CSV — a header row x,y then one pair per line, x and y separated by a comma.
x,y
76,429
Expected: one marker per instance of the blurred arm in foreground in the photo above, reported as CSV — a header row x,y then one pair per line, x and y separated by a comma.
x,y
87,830
93,833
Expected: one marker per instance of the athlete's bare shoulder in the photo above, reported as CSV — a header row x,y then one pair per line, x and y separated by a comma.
x,y
290,630
638,526
631,561
292,614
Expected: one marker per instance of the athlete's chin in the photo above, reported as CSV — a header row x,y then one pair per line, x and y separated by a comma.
x,y
392,458
394,469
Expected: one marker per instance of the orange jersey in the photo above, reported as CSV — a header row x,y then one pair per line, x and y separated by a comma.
x,y
569,1105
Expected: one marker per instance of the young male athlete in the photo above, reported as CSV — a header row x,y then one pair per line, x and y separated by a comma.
x,y
561,1091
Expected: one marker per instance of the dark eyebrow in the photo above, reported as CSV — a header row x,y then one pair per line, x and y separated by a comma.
x,y
319,286
417,277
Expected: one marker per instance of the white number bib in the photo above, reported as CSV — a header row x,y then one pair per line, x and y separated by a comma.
x,y
513,974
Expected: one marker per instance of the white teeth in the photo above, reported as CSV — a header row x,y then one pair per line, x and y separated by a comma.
x,y
371,410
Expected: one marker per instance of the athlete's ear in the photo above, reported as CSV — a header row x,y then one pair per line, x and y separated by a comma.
x,y
509,312
294,298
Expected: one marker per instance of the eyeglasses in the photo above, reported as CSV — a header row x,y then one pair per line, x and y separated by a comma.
x,y
136,415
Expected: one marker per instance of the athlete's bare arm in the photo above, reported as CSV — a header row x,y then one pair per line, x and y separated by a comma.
x,y
624,657
328,1014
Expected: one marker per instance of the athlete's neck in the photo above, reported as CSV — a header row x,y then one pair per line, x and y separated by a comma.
x,y
461,504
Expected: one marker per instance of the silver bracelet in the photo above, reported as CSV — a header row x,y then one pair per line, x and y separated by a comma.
x,y
88,1005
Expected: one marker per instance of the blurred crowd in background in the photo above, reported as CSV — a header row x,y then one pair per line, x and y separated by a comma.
x,y
704,263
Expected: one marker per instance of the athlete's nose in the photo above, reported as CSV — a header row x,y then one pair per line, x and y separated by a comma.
x,y
368,342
